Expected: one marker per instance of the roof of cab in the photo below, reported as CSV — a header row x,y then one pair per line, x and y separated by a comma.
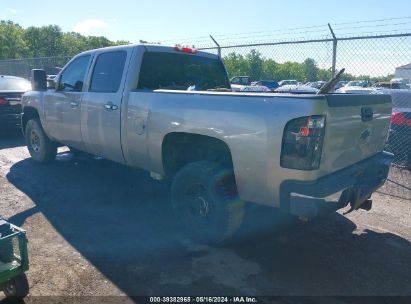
x,y
152,48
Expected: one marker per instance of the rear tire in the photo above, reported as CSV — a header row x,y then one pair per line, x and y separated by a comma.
x,y
206,203
17,287
41,148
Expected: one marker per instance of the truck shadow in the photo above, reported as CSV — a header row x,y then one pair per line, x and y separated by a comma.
x,y
11,139
121,222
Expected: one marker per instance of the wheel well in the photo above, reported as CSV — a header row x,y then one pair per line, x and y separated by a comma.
x,y
179,149
29,113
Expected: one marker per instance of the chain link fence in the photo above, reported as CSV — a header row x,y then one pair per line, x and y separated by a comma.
x,y
383,62
376,60
22,67
380,63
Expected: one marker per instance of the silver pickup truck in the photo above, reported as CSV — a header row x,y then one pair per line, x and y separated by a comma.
x,y
171,111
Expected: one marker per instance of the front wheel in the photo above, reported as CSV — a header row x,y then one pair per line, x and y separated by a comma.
x,y
205,201
41,148
17,287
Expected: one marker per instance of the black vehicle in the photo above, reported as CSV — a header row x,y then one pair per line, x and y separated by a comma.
x,y
11,90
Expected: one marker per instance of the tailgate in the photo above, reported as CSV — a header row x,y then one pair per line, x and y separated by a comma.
x,y
356,128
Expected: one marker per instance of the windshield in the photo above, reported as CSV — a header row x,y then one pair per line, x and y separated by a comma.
x,y
14,84
161,70
356,84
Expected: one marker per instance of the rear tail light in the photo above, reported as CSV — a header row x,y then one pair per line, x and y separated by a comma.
x,y
302,143
3,101
400,118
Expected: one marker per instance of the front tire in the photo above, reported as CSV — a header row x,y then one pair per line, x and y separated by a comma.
x,y
41,148
17,287
205,201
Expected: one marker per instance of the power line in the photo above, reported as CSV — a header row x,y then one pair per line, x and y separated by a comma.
x,y
291,31
373,20
376,32
368,26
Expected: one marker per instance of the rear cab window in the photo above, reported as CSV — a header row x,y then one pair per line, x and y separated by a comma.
x,y
108,71
171,71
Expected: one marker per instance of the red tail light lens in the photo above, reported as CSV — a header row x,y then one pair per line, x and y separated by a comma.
x,y
302,143
185,50
399,118
3,101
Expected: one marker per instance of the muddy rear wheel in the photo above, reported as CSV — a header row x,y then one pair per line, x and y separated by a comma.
x,y
206,203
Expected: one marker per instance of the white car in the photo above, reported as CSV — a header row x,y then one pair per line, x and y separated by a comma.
x,y
294,88
239,82
355,90
255,88
356,87
288,82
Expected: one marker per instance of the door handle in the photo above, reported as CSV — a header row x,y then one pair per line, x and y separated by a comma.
x,y
73,104
110,106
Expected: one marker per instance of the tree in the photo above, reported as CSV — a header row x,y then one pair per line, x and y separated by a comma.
x,y
255,64
94,42
45,41
73,43
122,42
270,69
310,70
12,42
236,65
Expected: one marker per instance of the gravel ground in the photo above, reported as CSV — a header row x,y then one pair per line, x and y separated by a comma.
x,y
99,228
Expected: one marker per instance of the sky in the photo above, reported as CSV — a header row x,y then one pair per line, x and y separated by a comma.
x,y
238,22
168,20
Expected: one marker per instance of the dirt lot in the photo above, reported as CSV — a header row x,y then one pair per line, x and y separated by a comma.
x,y
98,228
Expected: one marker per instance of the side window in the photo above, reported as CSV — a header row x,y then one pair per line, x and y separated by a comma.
x,y
108,71
72,78
235,80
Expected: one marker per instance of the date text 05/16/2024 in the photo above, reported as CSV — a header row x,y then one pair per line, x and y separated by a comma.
x,y
208,299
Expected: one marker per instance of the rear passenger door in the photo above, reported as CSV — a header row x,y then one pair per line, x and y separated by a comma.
x,y
101,106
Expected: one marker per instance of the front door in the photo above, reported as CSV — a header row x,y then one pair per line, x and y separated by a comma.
x,y
63,105
101,107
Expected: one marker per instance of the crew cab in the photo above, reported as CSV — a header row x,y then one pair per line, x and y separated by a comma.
x,y
171,111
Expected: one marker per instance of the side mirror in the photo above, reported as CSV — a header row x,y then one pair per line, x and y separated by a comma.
x,y
38,80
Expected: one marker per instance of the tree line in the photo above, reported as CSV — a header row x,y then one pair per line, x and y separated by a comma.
x,y
17,42
45,41
258,67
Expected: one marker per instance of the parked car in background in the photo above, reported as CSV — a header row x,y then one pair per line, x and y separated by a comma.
x,y
271,84
288,82
255,88
390,85
296,89
50,81
356,87
340,84
399,139
238,82
11,90
317,84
